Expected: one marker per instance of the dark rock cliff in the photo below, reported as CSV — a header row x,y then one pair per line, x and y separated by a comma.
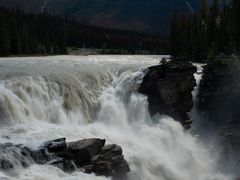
x,y
168,87
219,98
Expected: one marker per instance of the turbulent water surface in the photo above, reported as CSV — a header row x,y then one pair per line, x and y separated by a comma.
x,y
76,97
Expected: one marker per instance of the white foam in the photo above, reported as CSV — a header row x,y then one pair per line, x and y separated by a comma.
x,y
159,150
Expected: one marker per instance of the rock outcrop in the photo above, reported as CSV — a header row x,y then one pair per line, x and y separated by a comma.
x,y
89,155
168,87
219,97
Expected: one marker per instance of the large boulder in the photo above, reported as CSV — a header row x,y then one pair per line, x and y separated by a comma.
x,y
89,155
84,150
168,87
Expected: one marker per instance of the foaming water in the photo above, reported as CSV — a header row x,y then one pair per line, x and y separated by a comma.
x,y
95,96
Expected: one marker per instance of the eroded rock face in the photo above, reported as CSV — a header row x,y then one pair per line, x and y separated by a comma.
x,y
168,88
219,98
89,155
219,95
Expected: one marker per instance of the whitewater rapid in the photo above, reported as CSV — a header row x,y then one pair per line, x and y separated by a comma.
x,y
77,97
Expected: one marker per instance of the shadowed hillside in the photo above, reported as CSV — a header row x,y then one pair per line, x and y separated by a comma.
x,y
152,16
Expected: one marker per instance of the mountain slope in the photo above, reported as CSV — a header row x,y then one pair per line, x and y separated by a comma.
x,y
151,16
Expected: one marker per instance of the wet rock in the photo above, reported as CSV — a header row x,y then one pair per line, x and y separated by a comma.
x,y
84,150
219,95
5,145
97,158
168,88
108,148
13,156
88,168
117,150
57,145
110,151
89,146
103,168
69,166
89,155
109,162
6,164
219,99
123,167
116,160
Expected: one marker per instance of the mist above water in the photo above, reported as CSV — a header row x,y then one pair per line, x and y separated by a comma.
x,y
95,96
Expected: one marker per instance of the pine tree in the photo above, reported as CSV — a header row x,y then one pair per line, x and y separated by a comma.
x,y
182,36
214,30
236,25
25,39
216,9
15,40
4,36
174,35
62,41
203,9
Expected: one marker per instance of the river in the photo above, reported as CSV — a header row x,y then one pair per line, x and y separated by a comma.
x,y
77,97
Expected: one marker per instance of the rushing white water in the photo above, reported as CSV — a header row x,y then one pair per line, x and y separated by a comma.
x,y
94,96
194,113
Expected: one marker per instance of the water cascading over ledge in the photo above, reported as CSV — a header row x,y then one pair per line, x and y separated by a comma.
x,y
159,150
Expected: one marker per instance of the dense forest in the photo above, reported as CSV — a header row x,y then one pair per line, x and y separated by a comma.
x,y
214,31
24,33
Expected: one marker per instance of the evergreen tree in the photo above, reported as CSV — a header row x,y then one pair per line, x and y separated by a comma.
x,y
182,36
211,32
15,40
203,9
216,8
174,35
4,36
236,24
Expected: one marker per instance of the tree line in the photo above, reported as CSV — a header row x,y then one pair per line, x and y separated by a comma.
x,y
23,33
215,30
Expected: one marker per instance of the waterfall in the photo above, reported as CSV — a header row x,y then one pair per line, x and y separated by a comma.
x,y
95,96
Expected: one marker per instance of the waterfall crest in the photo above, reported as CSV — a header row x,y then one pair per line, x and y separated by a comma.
x,y
94,96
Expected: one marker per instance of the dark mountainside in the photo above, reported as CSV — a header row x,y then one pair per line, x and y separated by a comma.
x,y
152,16
24,33
219,99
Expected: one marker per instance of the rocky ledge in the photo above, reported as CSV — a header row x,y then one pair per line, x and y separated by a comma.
x,y
88,155
168,87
